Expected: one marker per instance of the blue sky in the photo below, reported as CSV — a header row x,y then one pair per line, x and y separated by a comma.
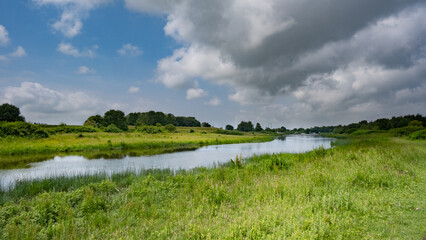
x,y
275,62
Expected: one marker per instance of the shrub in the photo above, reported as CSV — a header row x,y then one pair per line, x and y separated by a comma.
x,y
112,129
149,129
22,129
421,134
71,129
227,132
405,131
170,128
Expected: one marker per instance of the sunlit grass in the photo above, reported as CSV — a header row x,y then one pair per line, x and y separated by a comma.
x,y
372,188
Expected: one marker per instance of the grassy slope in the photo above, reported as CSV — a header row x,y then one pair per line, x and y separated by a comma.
x,y
372,188
101,141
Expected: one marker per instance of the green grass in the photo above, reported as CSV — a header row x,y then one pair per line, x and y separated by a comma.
x,y
17,151
373,187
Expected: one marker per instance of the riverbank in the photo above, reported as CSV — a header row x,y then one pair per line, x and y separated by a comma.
x,y
16,151
371,188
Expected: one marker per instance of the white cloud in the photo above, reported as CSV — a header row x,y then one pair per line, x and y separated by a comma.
x,y
38,103
129,50
85,70
70,25
133,89
4,36
68,49
214,102
179,70
18,53
194,93
73,12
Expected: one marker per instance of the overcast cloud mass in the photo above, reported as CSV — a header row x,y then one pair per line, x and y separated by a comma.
x,y
359,57
286,62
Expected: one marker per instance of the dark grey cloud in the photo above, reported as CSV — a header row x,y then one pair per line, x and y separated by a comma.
x,y
328,55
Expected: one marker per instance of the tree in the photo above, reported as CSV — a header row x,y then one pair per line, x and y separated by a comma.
x,y
415,123
95,121
205,124
10,113
132,118
258,128
117,118
229,127
245,126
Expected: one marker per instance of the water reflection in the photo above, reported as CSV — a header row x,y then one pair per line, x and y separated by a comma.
x,y
121,161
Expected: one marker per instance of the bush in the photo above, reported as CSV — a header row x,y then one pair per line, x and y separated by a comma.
x,y
170,128
22,129
227,132
71,129
113,129
362,132
405,131
149,129
421,134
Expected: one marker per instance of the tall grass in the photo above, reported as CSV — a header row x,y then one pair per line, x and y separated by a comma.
x,y
371,188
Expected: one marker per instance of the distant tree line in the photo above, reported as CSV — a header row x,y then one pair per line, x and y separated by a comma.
x,y
116,121
151,118
379,124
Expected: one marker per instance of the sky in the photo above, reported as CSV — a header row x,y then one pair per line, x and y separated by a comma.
x,y
292,63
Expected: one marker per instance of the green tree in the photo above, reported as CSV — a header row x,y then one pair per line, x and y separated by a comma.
x,y
245,126
229,127
132,118
283,129
205,124
415,123
10,113
117,118
95,121
258,128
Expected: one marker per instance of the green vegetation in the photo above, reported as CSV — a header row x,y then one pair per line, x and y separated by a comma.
x,y
245,126
10,113
21,129
371,188
150,118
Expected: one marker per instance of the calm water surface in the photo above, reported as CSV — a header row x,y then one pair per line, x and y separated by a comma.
x,y
203,157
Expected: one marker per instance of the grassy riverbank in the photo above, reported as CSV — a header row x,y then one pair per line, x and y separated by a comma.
x,y
371,188
17,150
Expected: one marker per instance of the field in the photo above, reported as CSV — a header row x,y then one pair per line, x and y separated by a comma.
x,y
372,187
18,151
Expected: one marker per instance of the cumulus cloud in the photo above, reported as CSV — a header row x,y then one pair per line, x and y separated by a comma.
x,y
38,103
73,12
129,50
194,93
214,102
18,53
69,49
85,70
4,36
328,55
133,89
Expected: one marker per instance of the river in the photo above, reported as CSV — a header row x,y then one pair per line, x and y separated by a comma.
x,y
207,156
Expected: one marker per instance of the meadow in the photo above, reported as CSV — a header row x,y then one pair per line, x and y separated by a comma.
x,y
370,187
